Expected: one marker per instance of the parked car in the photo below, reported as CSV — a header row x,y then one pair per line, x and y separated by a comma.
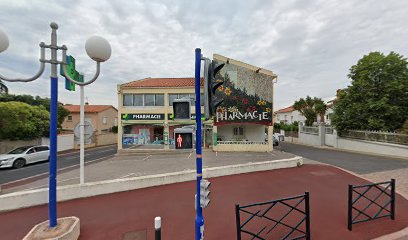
x,y
21,156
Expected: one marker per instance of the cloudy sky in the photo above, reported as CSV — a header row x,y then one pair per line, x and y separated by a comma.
x,y
309,44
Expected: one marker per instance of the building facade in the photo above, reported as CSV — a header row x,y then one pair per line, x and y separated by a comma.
x,y
243,122
146,108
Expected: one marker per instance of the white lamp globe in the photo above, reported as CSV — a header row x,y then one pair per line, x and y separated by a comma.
x,y
4,41
98,48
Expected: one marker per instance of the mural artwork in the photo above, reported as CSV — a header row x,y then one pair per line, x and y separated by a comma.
x,y
247,96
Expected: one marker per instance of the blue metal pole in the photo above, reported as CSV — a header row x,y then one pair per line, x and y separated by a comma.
x,y
199,220
52,204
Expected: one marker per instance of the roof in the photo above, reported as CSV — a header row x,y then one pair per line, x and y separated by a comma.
x,y
162,83
88,108
245,65
285,110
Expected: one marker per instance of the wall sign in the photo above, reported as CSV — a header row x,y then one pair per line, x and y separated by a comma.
x,y
142,116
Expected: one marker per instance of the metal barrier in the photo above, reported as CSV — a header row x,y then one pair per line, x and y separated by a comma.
x,y
263,232
388,206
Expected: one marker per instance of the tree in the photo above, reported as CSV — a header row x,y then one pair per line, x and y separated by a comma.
x,y
377,98
36,101
310,108
20,121
3,88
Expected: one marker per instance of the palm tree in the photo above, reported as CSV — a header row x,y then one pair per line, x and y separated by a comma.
x,y
310,108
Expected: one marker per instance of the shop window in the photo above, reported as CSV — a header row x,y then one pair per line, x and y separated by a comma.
x,y
187,96
128,100
159,100
238,131
172,97
138,100
149,100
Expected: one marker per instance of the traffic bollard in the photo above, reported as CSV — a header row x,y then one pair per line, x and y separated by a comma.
x,y
157,228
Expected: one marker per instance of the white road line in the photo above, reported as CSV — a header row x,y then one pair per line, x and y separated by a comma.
x,y
216,154
126,175
189,155
68,158
45,185
144,159
61,169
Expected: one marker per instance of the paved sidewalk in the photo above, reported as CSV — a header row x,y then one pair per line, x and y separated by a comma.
x,y
126,166
113,216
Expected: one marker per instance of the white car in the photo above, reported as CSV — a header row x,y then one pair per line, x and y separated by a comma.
x,y
21,156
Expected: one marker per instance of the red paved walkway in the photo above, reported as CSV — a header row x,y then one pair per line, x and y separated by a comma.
x,y
111,216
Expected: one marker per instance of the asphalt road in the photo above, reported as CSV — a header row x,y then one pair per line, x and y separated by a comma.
x,y
64,161
355,162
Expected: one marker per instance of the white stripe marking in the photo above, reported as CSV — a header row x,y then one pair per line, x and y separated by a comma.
x,y
126,175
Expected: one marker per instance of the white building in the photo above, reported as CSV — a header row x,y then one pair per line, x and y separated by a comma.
x,y
288,116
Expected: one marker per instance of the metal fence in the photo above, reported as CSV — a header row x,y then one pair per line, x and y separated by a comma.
x,y
372,201
267,221
388,137
309,130
329,130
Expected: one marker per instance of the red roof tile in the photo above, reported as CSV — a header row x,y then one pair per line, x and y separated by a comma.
x,y
162,83
285,110
88,108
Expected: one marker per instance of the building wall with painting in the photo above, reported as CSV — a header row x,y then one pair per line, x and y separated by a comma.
x,y
245,116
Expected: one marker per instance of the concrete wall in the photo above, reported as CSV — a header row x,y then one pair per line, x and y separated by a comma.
x,y
309,139
64,142
364,146
252,132
106,139
331,140
7,145
373,147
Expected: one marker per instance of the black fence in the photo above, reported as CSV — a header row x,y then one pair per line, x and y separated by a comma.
x,y
286,219
371,201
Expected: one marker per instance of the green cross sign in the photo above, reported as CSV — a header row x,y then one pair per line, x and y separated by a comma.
x,y
73,73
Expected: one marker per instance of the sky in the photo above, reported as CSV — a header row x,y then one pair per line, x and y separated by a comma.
x,y
310,45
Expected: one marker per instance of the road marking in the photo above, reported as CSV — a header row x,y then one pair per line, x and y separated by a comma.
x,y
61,169
189,155
68,158
216,154
45,185
126,175
144,159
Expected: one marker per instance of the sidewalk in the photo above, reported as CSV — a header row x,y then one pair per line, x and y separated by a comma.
x,y
127,166
112,216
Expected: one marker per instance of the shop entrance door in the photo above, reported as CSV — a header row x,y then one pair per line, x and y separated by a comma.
x,y
158,135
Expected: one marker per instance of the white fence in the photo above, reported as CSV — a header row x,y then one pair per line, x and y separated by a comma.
x,y
380,143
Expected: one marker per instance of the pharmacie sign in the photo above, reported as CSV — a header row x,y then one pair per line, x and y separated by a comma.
x,y
142,116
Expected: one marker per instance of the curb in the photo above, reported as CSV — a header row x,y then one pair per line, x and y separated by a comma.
x,y
17,200
350,151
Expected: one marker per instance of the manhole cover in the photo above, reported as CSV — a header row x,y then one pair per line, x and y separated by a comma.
x,y
136,235
323,173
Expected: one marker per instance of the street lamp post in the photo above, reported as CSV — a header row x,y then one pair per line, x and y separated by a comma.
x,y
97,49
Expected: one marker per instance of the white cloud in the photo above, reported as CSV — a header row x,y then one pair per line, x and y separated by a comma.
x,y
309,44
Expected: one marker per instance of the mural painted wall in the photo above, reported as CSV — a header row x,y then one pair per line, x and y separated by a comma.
x,y
247,94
